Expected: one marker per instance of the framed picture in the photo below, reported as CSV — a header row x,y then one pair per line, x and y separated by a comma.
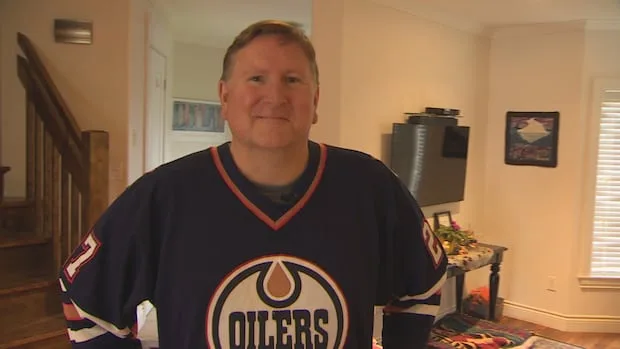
x,y
442,218
197,115
532,138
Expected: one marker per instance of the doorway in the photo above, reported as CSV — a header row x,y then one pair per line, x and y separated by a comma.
x,y
155,110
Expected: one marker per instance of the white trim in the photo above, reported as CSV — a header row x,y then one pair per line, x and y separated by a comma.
x,y
85,334
421,309
535,29
603,25
428,293
599,283
562,322
445,312
106,326
428,13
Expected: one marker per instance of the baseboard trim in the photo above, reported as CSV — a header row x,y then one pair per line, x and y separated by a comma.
x,y
562,322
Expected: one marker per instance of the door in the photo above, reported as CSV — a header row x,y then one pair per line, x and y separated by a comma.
x,y
155,111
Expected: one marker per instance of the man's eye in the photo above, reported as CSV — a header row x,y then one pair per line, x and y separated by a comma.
x,y
256,78
292,79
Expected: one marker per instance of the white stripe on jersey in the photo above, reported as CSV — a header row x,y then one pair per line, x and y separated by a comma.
x,y
121,333
85,334
421,309
100,328
428,293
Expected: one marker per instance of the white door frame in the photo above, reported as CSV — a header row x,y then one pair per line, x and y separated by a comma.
x,y
154,125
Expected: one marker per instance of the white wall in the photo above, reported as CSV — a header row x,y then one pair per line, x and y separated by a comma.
x,y
150,29
197,69
327,38
93,79
536,211
378,64
396,63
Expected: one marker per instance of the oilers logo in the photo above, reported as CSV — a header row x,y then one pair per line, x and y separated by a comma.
x,y
277,302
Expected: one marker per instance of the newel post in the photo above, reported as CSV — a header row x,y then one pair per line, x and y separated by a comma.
x,y
96,200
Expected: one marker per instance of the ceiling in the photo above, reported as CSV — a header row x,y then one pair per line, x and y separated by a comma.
x,y
216,22
496,13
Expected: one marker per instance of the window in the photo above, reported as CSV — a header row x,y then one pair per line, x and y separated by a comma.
x,y
601,226
605,254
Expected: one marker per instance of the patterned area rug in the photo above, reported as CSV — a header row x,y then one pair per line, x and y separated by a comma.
x,y
465,332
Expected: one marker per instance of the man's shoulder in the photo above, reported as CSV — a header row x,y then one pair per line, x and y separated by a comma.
x,y
356,161
181,170
199,160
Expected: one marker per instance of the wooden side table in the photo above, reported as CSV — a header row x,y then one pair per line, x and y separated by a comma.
x,y
457,268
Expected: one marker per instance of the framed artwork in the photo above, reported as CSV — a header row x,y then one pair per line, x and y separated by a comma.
x,y
532,138
442,218
197,115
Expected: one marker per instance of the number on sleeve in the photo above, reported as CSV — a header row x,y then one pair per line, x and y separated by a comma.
x,y
432,244
89,247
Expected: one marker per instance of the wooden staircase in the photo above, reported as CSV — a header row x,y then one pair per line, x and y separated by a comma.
x,y
66,191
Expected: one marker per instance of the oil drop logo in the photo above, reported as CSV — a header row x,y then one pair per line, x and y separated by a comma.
x,y
277,302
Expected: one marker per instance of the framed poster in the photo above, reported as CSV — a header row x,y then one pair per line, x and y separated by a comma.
x,y
532,138
197,116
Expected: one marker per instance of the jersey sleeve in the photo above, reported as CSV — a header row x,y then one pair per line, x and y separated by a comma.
x,y
413,271
111,272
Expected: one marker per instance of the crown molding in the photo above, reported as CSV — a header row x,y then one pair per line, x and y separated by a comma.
x,y
613,25
536,29
426,13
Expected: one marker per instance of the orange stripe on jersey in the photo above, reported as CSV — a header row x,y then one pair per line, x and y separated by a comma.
x,y
275,225
71,312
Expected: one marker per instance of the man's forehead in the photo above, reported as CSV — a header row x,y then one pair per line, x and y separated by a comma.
x,y
250,59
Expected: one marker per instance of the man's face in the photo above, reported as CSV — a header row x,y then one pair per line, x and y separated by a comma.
x,y
270,97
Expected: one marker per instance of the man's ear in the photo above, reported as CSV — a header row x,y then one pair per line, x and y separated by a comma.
x,y
222,90
315,119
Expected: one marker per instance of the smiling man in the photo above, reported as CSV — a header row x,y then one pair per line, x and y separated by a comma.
x,y
270,240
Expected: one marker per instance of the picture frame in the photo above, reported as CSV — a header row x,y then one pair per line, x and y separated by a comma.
x,y
194,115
442,218
531,138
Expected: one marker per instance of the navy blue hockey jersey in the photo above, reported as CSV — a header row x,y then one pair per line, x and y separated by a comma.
x,y
227,267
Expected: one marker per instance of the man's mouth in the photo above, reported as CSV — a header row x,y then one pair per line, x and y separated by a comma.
x,y
272,118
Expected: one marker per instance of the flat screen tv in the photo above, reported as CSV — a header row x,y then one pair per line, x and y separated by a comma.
x,y
431,159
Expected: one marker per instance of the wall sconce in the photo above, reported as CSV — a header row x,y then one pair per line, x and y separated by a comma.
x,y
73,32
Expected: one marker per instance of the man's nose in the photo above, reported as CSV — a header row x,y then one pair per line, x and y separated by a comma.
x,y
275,91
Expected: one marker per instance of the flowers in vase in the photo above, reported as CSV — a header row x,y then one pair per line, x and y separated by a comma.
x,y
454,238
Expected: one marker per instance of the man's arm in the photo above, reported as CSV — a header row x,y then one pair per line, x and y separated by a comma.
x,y
111,272
414,266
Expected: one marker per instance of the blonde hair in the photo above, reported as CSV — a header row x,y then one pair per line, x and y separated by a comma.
x,y
289,32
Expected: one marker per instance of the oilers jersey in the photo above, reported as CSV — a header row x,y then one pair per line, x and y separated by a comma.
x,y
227,267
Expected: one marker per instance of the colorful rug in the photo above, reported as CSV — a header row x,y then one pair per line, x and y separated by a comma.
x,y
536,342
465,332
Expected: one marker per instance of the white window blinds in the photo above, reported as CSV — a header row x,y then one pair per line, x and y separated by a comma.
x,y
605,261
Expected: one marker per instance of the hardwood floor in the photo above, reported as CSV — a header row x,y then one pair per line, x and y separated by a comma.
x,y
586,340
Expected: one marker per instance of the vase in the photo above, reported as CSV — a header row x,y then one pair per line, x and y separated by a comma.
x,y
451,247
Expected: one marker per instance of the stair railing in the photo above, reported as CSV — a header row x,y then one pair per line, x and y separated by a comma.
x,y
66,169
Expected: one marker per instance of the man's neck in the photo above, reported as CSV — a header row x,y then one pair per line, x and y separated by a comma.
x,y
270,167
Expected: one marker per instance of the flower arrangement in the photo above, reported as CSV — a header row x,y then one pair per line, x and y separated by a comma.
x,y
454,238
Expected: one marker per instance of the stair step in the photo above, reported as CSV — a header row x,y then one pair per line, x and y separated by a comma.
x,y
22,300
13,202
26,256
48,332
17,214
14,240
